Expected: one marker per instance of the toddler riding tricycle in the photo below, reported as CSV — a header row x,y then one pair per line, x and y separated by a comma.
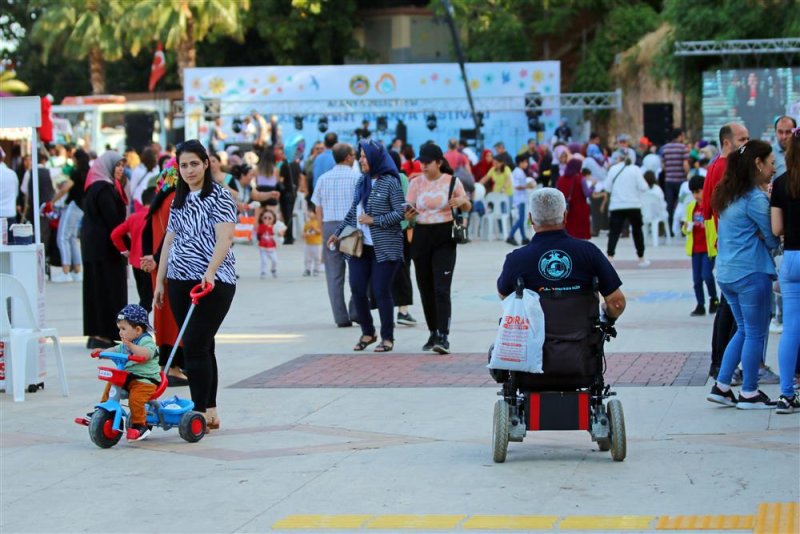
x,y
110,418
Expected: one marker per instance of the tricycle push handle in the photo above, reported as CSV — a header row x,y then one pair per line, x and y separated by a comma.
x,y
199,292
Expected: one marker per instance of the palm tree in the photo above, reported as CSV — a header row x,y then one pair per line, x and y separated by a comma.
x,y
80,29
179,24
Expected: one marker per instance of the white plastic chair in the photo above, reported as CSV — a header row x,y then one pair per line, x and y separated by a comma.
x,y
20,331
654,214
500,213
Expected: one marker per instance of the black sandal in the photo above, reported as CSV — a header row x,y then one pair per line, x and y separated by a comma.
x,y
385,346
364,342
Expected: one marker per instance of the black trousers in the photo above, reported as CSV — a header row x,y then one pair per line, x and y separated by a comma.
x,y
144,286
105,293
198,338
724,329
671,194
287,212
434,254
616,223
402,290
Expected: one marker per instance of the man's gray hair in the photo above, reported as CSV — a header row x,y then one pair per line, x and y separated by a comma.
x,y
341,151
548,206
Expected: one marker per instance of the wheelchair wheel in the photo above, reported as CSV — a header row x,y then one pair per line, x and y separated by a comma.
x,y
101,429
616,419
604,444
500,431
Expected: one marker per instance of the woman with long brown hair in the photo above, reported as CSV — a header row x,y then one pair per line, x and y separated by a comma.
x,y
745,269
785,211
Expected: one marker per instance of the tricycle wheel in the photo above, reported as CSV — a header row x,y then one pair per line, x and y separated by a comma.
x,y
616,420
192,427
101,429
500,431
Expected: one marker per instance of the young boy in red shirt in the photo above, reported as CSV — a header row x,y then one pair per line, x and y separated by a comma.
x,y
701,243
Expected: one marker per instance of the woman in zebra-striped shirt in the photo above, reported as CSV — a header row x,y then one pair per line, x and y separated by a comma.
x,y
198,250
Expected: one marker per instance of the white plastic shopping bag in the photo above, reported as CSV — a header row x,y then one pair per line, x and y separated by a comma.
x,y
520,336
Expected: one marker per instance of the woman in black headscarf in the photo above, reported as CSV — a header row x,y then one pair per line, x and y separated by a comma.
x,y
377,211
105,287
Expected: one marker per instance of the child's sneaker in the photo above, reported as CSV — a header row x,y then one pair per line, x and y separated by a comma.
x,y
306,273
759,402
263,275
699,311
787,404
137,433
726,398
713,306
274,273
315,273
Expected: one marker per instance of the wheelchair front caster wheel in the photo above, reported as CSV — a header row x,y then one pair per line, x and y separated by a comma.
x,y
617,422
500,431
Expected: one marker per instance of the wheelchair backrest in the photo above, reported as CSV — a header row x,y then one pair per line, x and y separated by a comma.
x,y
568,312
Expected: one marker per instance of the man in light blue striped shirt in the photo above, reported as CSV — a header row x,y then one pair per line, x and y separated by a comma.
x,y
333,196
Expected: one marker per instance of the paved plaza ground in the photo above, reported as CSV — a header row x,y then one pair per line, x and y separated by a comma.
x,y
316,437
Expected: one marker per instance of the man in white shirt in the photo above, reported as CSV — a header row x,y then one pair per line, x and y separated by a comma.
x,y
9,190
627,185
333,196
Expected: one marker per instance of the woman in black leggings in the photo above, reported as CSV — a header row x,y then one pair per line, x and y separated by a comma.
x,y
198,251
432,199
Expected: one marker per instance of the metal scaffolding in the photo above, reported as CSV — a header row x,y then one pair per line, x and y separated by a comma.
x,y
581,101
738,47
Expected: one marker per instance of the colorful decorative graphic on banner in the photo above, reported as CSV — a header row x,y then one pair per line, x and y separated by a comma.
x,y
386,84
359,85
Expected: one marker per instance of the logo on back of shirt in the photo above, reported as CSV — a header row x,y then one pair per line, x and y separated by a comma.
x,y
555,265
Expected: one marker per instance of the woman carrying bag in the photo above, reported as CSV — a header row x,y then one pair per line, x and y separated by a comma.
x,y
432,199
377,211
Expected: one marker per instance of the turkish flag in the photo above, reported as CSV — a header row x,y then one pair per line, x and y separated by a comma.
x,y
158,69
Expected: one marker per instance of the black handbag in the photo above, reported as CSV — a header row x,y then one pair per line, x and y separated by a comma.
x,y
459,231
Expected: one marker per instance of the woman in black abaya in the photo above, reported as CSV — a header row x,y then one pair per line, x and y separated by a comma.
x,y
105,289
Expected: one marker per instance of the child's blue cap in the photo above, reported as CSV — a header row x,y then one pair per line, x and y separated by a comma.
x,y
135,314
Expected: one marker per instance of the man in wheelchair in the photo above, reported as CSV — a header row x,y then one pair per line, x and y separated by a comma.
x,y
569,394
567,273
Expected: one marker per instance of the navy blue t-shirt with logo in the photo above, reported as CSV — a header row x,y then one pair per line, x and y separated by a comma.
x,y
554,260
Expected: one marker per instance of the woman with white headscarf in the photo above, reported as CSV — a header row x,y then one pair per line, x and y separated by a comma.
x,y
105,289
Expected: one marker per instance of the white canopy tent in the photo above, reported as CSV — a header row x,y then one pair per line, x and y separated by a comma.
x,y
25,112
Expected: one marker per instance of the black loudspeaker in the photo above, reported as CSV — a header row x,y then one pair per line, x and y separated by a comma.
x,y
658,122
139,127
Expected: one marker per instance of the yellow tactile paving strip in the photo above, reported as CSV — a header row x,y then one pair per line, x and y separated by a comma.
x,y
706,522
771,518
777,518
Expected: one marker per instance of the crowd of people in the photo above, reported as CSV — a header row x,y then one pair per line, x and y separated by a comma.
x,y
172,216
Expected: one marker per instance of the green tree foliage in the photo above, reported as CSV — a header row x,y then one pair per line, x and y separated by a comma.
x,y
515,30
624,25
181,24
77,29
306,32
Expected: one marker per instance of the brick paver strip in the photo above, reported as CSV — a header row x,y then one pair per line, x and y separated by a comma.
x,y
463,370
